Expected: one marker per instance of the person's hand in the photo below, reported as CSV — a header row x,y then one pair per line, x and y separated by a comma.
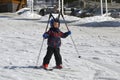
x,y
69,32
45,35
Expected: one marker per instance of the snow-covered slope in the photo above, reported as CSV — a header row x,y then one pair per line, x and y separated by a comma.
x,y
21,40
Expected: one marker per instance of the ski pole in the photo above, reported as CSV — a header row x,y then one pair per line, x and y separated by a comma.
x,y
71,36
42,42
59,15
39,53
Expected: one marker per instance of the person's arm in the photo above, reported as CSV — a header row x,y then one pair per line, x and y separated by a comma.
x,y
46,35
64,35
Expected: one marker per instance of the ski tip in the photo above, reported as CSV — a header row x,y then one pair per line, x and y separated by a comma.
x,y
49,69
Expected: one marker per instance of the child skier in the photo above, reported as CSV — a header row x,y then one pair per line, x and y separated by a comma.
x,y
53,35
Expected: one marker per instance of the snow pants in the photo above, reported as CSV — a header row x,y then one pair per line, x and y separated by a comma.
x,y
50,52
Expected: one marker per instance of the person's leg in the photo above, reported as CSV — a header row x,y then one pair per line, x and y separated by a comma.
x,y
48,56
58,57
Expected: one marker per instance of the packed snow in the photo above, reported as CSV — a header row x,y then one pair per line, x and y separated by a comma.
x,y
97,40
26,13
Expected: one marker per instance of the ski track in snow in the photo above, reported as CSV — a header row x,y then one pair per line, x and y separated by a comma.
x,y
20,41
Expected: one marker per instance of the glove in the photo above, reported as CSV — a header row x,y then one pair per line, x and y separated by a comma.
x,y
45,35
69,32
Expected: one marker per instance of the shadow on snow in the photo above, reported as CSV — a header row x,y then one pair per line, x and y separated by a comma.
x,y
100,24
20,67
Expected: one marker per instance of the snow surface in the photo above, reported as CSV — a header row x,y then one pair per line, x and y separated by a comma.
x,y
96,38
25,13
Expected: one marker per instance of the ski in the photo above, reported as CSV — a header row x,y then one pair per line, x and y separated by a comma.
x,y
50,69
41,67
53,68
